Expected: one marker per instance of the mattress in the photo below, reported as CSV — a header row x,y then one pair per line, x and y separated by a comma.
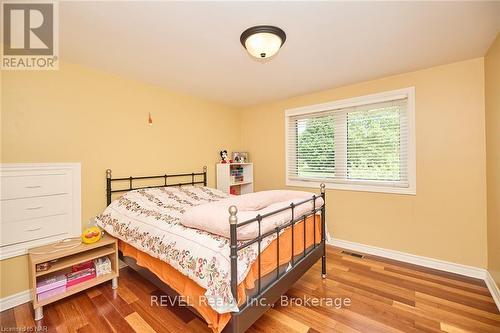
x,y
148,220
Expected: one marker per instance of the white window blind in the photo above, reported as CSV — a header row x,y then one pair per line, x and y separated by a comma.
x,y
365,144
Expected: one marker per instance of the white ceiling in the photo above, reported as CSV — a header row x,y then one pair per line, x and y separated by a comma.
x,y
194,47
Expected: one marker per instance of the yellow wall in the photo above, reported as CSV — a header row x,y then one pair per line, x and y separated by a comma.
x,y
492,93
81,115
78,114
447,218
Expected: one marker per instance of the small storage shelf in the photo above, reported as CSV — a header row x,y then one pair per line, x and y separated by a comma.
x,y
235,178
62,259
240,183
78,258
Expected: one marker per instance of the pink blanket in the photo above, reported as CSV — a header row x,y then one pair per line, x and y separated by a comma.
x,y
214,217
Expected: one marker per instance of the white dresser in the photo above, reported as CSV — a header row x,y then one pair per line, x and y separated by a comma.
x,y
40,203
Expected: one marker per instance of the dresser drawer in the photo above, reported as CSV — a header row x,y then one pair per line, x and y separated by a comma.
x,y
24,231
25,186
30,208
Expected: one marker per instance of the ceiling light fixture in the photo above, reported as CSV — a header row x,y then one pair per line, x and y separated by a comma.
x,y
263,41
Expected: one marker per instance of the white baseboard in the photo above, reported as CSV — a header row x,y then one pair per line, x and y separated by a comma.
x,y
478,273
493,288
15,300
470,271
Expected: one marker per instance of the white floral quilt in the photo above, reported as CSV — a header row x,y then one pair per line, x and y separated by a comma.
x,y
148,219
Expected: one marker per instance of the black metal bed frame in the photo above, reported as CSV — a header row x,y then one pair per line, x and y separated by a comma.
x,y
257,304
109,180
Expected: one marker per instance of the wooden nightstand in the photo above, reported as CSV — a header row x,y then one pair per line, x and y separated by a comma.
x,y
66,258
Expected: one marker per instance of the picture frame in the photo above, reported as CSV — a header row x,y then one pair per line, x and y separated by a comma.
x,y
240,157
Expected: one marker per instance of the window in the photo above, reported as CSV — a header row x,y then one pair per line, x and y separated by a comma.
x,y
365,143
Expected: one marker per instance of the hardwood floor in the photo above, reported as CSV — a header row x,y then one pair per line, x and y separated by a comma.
x,y
385,295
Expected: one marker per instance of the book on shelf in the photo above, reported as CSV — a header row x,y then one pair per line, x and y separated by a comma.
x,y
75,278
51,286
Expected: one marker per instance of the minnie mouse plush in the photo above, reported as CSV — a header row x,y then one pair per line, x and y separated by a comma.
x,y
223,156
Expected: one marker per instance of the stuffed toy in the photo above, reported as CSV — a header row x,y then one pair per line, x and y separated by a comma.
x,y
223,156
91,235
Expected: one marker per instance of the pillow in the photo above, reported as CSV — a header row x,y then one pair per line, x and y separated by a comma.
x,y
214,217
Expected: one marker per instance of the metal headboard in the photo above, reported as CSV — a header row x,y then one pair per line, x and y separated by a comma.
x,y
165,177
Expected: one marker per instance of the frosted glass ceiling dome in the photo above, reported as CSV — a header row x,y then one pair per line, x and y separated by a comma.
x,y
263,41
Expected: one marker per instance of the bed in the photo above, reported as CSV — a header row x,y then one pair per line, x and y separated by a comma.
x,y
227,281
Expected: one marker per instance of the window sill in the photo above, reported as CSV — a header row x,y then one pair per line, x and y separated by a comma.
x,y
352,187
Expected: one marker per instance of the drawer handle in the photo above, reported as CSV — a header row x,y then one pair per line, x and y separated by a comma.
x,y
33,208
33,186
36,229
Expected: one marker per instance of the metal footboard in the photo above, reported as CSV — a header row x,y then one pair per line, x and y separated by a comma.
x,y
315,251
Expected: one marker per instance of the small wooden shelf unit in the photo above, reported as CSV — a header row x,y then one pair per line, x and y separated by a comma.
x,y
225,178
66,258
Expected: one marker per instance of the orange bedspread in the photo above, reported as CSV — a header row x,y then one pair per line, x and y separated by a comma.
x,y
188,288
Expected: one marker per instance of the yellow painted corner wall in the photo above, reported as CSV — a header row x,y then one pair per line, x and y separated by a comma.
x,y
81,115
447,218
492,94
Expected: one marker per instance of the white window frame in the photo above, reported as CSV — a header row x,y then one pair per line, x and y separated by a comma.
x,y
408,93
